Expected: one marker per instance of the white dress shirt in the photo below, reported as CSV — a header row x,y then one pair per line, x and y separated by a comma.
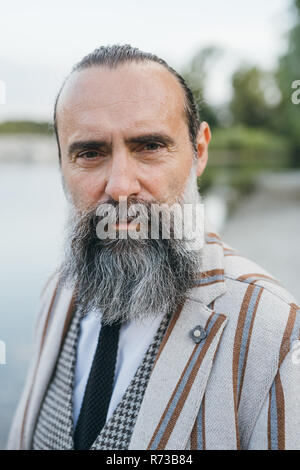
x,y
135,338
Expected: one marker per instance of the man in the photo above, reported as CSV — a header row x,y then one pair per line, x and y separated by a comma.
x,y
147,343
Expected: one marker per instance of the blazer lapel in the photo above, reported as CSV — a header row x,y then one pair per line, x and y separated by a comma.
x,y
183,365
57,322
178,380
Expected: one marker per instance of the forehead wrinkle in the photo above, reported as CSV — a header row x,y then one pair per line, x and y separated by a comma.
x,y
79,109
85,112
91,78
92,124
79,105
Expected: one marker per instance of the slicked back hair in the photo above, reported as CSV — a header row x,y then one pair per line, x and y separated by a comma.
x,y
115,55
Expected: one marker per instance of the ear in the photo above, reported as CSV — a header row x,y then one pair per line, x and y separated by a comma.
x,y
203,139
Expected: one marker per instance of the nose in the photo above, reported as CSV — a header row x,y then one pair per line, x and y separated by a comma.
x,y
122,178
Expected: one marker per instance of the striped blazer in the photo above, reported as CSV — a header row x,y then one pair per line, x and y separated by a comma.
x,y
238,388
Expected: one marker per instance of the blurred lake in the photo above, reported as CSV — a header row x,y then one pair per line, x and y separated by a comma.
x,y
264,226
32,208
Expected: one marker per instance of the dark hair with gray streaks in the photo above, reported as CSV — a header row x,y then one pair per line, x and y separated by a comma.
x,y
112,56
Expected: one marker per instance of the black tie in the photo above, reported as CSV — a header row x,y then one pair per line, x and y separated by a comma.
x,y
99,387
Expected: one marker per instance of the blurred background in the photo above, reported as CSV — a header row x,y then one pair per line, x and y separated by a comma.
x,y
240,59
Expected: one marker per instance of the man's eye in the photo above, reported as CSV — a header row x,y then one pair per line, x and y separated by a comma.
x,y
91,154
152,146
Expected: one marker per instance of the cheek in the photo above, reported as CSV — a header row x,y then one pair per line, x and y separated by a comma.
x,y
83,188
177,181
177,186
170,185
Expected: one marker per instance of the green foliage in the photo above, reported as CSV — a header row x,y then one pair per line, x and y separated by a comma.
x,y
288,72
246,138
262,99
248,149
255,97
195,74
25,127
238,154
242,180
208,179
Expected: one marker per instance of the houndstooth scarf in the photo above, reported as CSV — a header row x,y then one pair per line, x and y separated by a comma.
x,y
54,427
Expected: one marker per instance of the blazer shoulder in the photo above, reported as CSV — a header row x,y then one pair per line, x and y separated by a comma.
x,y
240,269
46,299
50,284
258,304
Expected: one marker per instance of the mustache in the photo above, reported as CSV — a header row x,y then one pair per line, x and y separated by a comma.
x,y
125,279
147,218
120,211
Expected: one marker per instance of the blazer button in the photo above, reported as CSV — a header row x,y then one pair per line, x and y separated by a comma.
x,y
198,334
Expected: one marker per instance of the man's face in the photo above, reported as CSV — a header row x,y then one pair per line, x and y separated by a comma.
x,y
123,135
123,132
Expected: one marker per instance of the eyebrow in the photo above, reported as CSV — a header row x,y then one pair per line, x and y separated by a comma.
x,y
156,137
140,139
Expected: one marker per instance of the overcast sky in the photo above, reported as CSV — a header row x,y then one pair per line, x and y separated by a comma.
x,y
40,40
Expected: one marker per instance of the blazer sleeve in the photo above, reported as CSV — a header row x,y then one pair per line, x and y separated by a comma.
x,y
14,441
278,423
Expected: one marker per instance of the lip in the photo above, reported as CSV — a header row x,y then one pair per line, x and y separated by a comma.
x,y
126,225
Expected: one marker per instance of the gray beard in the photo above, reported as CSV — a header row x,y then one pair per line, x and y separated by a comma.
x,y
125,279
